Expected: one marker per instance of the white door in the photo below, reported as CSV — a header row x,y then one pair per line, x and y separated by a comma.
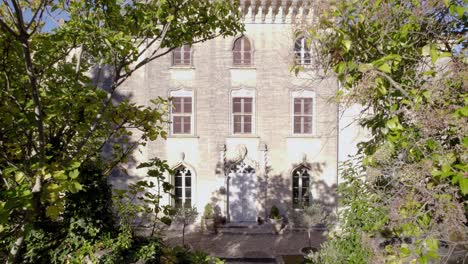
x,y
243,193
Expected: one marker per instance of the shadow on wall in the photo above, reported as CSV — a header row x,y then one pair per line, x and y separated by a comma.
x,y
102,76
249,195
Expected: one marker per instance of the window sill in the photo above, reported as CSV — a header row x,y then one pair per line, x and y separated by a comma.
x,y
303,136
240,67
243,136
182,136
189,67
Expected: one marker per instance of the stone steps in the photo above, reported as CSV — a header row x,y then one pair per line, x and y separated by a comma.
x,y
246,229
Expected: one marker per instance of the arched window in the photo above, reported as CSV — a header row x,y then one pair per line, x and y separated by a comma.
x,y
301,187
242,52
301,51
182,56
182,187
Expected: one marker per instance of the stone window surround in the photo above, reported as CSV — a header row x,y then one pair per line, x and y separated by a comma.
x,y
302,93
193,182
183,66
184,93
300,185
252,53
243,92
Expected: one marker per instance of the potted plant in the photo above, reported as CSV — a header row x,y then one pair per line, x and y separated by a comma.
x,y
311,218
276,219
209,218
185,216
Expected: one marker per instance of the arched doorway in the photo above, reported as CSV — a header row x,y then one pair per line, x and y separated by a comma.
x,y
242,186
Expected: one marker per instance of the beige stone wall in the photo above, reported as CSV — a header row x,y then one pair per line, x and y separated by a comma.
x,y
212,79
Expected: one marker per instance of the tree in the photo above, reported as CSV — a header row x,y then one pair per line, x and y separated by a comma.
x,y
53,117
405,61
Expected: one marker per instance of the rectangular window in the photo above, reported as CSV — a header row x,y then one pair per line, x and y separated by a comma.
x,y
302,116
242,110
182,56
182,115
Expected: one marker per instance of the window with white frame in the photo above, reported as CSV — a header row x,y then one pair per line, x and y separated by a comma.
x,y
301,51
242,52
182,56
301,187
182,187
302,112
243,111
182,113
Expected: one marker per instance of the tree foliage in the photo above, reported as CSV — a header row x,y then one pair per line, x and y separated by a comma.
x,y
53,115
405,62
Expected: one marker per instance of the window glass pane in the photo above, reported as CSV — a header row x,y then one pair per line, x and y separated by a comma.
x,y
246,44
297,124
177,103
306,58
247,105
237,44
178,192
308,124
295,181
298,44
188,203
295,193
178,203
177,181
176,56
246,58
247,119
247,127
188,192
297,105
305,182
186,124
307,106
237,124
236,105
188,105
188,181
237,57
177,124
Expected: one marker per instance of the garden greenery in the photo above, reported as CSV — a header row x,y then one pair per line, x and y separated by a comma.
x,y
404,61
61,108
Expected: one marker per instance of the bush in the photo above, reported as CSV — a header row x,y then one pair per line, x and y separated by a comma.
x,y
274,212
208,212
86,219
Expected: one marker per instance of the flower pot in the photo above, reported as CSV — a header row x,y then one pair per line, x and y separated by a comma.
x,y
210,225
308,250
277,224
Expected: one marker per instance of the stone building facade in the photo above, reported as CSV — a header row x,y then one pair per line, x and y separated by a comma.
x,y
246,133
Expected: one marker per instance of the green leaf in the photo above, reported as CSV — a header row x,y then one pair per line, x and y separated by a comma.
x,y
74,174
365,67
53,212
347,44
434,54
385,68
463,185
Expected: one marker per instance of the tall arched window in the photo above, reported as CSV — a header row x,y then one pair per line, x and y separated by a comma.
x,y
242,52
182,56
301,187
183,187
301,51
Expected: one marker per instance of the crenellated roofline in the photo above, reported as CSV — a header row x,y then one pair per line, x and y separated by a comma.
x,y
279,11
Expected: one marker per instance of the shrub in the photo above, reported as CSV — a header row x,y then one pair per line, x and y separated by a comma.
x,y
274,212
208,212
